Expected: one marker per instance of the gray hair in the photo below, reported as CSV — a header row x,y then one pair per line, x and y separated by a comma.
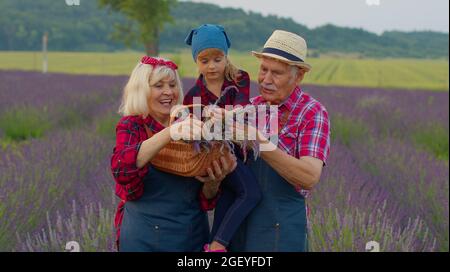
x,y
294,70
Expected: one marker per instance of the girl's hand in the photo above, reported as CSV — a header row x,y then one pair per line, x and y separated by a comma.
x,y
215,113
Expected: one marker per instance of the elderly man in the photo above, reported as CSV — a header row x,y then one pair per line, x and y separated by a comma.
x,y
294,166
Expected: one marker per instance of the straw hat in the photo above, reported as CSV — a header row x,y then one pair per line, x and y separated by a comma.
x,y
286,47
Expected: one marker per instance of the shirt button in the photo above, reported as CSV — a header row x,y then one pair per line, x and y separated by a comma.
x,y
156,227
277,225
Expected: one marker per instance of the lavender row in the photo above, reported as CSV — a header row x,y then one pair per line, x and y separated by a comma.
x,y
46,175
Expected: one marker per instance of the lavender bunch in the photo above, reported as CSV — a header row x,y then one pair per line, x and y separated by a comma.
x,y
245,145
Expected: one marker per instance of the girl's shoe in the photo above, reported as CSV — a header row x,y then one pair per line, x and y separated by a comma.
x,y
207,249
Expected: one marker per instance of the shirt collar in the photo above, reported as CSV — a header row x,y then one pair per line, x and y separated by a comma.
x,y
292,99
201,82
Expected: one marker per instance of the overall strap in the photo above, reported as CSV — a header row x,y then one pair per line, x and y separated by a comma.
x,y
149,135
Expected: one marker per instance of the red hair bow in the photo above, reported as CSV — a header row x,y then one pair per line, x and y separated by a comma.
x,y
158,62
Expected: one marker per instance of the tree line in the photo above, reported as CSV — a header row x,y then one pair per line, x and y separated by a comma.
x,y
110,25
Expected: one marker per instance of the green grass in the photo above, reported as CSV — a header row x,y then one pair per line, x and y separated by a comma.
x,y
434,139
106,125
22,123
386,73
348,130
339,71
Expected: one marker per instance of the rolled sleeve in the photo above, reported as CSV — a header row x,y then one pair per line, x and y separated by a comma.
x,y
123,164
123,161
314,139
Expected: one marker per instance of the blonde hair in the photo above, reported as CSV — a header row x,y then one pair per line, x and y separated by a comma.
x,y
231,72
138,88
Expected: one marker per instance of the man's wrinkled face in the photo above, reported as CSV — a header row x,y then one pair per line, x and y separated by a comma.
x,y
276,80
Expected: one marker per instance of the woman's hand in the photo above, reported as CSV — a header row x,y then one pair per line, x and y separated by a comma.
x,y
188,129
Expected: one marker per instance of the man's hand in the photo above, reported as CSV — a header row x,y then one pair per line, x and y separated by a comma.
x,y
215,176
217,172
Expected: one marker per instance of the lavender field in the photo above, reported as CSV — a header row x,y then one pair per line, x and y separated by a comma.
x,y
387,179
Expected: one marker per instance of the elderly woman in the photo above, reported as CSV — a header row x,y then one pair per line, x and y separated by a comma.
x,y
158,211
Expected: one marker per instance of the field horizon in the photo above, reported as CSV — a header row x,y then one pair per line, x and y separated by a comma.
x,y
332,70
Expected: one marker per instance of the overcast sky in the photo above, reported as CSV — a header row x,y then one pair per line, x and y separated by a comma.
x,y
373,15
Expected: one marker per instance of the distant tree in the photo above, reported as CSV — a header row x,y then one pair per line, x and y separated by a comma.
x,y
90,27
145,20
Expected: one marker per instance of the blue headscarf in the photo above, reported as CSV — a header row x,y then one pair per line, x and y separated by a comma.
x,y
208,36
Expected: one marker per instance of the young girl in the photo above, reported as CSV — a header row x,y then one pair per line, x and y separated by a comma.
x,y
239,190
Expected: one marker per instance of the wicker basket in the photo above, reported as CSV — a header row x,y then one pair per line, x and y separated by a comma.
x,y
181,158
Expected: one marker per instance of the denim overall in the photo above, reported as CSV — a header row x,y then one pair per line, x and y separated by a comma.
x,y
167,217
278,222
